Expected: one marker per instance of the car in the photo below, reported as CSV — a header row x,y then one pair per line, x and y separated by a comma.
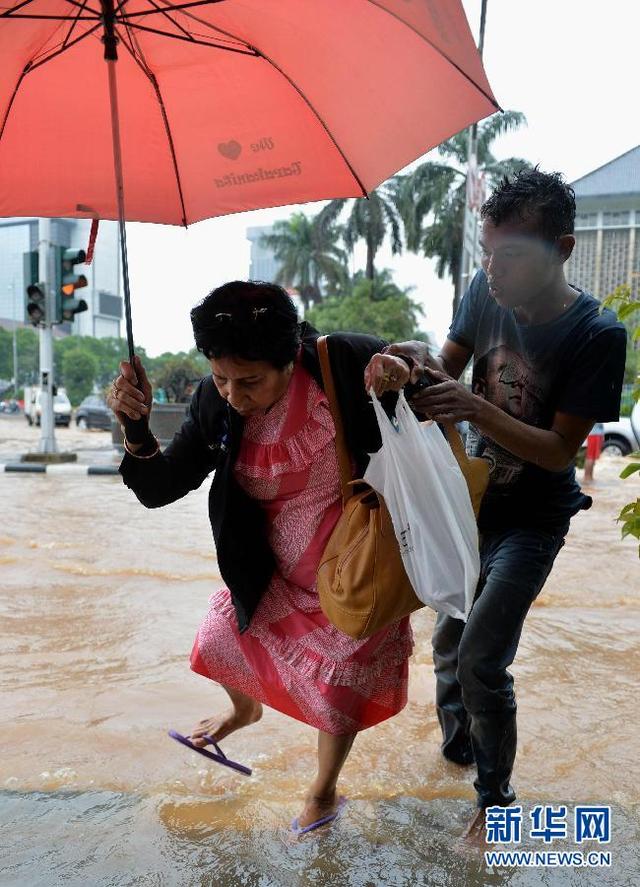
x,y
33,406
9,406
93,413
622,437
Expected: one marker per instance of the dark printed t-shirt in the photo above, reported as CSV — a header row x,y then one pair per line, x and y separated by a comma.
x,y
573,364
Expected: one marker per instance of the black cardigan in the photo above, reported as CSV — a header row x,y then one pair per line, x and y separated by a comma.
x,y
209,439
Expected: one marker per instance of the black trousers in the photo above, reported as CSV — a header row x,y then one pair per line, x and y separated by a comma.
x,y
475,700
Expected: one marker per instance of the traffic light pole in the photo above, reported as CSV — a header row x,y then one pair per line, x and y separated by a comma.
x,y
47,424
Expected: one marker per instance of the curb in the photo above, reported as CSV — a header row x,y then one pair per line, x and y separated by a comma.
x,y
68,468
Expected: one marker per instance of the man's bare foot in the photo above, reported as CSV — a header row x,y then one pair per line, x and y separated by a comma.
x,y
475,833
317,807
219,728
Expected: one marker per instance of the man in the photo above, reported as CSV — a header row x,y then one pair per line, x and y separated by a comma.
x,y
547,365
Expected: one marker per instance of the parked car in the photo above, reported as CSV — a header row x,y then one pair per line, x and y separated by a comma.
x,y
33,406
9,406
93,413
622,437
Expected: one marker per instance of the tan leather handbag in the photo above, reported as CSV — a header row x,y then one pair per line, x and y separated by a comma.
x,y
361,579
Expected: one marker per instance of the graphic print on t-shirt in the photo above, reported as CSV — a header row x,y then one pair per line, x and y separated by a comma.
x,y
506,379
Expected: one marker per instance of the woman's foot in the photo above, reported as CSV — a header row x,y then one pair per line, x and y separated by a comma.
x,y
240,716
317,807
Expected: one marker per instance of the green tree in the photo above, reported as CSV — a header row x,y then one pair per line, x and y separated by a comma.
x,y
378,307
6,354
78,373
308,254
106,352
369,219
28,355
431,199
177,375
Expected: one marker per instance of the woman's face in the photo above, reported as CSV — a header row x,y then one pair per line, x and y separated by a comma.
x,y
251,387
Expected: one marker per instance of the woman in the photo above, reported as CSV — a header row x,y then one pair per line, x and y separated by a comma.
x,y
262,422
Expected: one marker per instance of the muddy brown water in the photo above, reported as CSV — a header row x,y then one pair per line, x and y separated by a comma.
x,y
99,603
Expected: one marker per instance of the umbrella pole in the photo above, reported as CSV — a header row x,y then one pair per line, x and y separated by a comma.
x,y
111,56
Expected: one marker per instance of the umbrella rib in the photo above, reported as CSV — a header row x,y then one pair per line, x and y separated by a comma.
x,y
439,51
13,9
176,8
47,18
31,66
83,5
11,101
73,24
250,51
318,118
139,60
172,20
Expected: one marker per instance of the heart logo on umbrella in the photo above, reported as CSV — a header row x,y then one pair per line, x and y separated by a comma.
x,y
231,150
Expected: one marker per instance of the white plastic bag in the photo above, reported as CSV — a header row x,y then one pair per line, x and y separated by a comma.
x,y
426,494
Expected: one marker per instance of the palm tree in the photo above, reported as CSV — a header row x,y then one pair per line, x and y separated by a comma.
x,y
437,191
309,256
369,220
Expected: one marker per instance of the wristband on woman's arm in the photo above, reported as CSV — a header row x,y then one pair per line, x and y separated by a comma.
x,y
146,451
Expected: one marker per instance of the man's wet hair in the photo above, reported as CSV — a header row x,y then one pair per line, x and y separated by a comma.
x,y
530,194
250,320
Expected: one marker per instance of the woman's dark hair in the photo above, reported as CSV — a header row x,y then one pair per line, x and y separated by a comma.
x,y
250,320
530,194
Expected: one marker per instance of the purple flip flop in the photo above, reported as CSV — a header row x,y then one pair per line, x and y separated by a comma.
x,y
219,758
295,827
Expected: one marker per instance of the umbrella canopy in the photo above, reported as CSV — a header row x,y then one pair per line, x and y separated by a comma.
x,y
225,105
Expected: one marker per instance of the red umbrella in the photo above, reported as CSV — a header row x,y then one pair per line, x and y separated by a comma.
x,y
219,106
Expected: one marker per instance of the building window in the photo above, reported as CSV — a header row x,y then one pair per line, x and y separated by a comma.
x,y
110,305
586,220
615,220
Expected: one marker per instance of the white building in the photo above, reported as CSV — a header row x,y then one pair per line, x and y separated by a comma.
x,y
607,250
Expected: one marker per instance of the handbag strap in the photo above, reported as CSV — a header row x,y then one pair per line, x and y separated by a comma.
x,y
455,442
344,461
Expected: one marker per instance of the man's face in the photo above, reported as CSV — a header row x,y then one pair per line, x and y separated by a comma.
x,y
518,263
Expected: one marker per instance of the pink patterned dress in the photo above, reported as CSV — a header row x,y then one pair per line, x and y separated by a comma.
x,y
291,657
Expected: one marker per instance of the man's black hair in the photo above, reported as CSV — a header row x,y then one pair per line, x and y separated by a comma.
x,y
250,320
534,195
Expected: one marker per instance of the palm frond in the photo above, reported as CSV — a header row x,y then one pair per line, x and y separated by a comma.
x,y
497,125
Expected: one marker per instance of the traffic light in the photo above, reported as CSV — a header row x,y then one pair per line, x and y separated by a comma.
x,y
67,305
36,303
35,306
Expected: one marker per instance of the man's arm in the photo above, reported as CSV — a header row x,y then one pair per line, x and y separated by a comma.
x,y
553,449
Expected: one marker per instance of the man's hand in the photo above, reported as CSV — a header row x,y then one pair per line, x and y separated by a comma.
x,y
446,400
385,373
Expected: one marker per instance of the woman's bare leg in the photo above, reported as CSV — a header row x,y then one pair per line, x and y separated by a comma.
x,y
322,798
245,711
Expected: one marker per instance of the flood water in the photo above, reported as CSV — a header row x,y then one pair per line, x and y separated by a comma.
x,y
99,602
